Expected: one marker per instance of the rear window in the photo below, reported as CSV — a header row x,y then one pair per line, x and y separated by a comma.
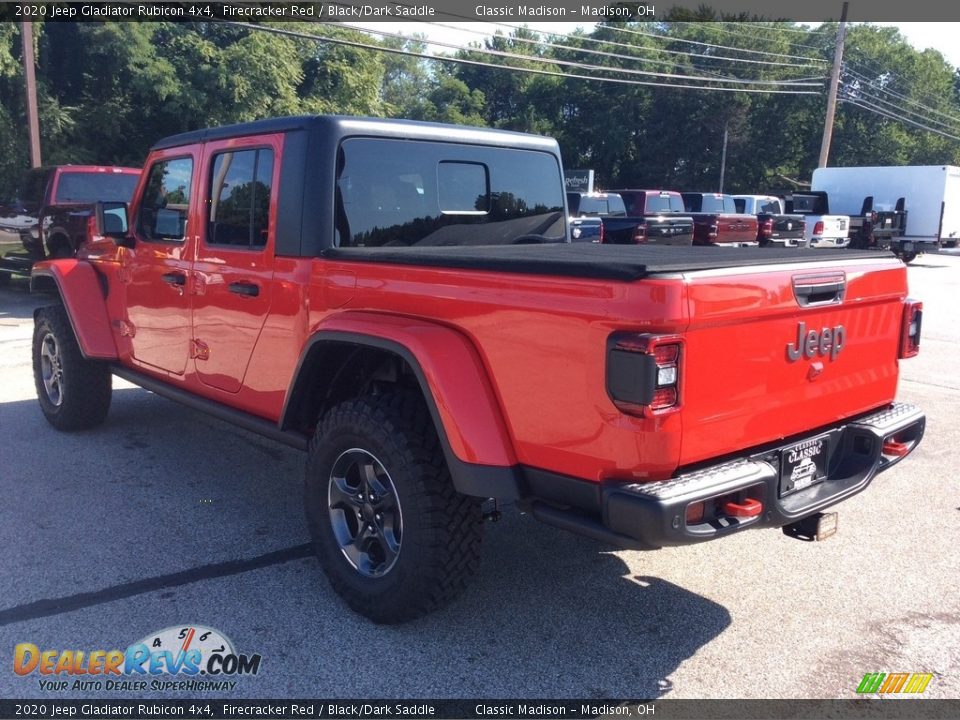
x,y
808,205
663,202
401,193
76,187
768,206
602,205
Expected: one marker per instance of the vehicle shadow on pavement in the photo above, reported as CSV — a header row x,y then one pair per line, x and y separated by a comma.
x,y
16,302
550,614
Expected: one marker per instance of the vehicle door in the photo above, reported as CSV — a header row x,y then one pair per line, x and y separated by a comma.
x,y
155,270
233,270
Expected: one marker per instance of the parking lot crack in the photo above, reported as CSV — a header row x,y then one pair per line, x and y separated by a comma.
x,y
58,606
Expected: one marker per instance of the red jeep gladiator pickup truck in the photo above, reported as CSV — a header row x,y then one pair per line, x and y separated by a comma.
x,y
401,301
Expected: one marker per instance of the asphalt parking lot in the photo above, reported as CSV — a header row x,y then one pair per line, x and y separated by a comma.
x,y
165,517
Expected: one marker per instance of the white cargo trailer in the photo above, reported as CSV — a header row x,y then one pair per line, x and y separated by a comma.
x,y
931,196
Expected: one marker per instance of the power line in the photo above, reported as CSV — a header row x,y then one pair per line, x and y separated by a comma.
x,y
855,93
585,38
590,67
751,36
671,38
892,116
875,85
539,43
601,53
685,53
478,63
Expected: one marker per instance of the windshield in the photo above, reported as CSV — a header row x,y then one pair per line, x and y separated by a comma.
x,y
86,187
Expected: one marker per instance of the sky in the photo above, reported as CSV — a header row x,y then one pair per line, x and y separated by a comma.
x,y
942,36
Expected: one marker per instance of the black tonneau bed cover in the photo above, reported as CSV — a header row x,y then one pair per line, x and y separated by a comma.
x,y
603,262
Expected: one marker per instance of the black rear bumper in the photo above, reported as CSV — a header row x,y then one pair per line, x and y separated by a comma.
x,y
653,515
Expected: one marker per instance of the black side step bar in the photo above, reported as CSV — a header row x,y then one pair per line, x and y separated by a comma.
x,y
254,424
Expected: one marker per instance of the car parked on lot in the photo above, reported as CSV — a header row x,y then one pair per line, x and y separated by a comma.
x,y
717,222
656,217
401,301
776,228
823,229
50,215
633,225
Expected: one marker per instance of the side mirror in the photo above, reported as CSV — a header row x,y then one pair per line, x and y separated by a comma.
x,y
111,221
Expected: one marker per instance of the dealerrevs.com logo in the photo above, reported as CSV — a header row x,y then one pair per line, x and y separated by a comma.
x,y
180,658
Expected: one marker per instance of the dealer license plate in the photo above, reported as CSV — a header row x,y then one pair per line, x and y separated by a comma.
x,y
804,464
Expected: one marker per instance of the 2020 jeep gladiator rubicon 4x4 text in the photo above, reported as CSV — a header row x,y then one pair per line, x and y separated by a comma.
x,y
401,301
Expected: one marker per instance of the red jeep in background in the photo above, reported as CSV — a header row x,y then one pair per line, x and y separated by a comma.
x,y
50,215
401,301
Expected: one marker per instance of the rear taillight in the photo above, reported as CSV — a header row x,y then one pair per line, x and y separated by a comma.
x,y
603,233
640,234
766,230
818,228
910,328
712,234
643,373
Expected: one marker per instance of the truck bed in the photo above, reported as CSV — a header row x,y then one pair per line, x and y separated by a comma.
x,y
605,262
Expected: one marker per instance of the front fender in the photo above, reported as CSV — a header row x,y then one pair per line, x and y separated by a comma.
x,y
82,294
457,390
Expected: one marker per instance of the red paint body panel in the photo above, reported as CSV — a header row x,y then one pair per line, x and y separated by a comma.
x,y
456,376
83,298
740,387
516,363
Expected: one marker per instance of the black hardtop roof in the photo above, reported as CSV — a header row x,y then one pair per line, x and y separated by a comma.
x,y
341,126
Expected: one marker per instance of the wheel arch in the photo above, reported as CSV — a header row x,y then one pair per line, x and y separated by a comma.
x,y
82,292
443,366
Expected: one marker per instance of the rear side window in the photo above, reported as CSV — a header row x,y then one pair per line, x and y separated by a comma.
x,y
402,193
166,198
691,202
33,187
711,204
74,187
240,198
741,205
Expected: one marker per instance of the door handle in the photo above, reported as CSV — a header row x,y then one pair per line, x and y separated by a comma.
x,y
175,278
244,288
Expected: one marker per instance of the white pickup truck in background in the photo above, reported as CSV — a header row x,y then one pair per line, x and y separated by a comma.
x,y
822,230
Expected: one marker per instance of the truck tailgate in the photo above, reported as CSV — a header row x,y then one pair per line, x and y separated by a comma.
x,y
760,366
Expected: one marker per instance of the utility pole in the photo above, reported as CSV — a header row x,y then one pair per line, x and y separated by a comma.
x,y
834,85
723,155
29,72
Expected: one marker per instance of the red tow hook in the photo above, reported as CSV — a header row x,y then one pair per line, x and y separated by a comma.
x,y
747,509
897,449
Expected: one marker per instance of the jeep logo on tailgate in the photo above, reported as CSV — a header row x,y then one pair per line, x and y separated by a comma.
x,y
828,341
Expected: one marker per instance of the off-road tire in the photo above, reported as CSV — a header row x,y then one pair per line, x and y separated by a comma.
x,y
79,398
439,547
